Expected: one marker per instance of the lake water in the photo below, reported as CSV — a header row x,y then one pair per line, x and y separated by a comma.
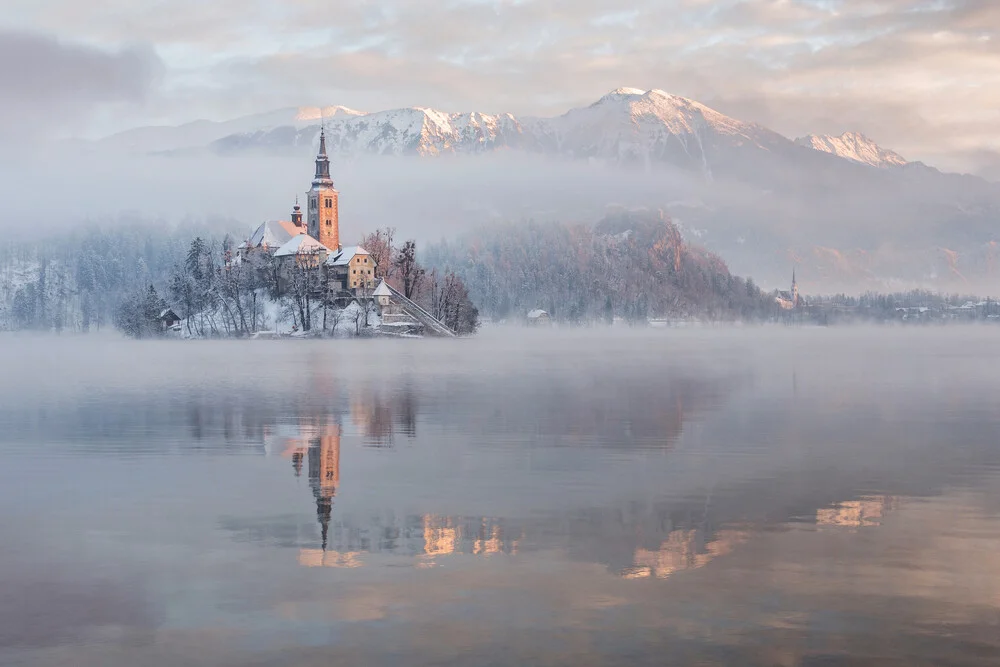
x,y
784,496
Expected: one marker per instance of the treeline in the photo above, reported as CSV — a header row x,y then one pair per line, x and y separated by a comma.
x,y
76,280
217,291
915,298
440,291
915,305
214,293
634,264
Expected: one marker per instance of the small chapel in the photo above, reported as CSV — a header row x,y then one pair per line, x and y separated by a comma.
x,y
789,299
314,242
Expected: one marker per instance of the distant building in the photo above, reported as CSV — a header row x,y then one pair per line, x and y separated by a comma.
x,y
538,317
169,319
789,300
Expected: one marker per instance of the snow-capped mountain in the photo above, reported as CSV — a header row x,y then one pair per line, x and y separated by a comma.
x,y
627,125
854,146
843,209
415,131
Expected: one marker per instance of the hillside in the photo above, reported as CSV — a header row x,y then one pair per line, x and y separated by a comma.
x,y
633,264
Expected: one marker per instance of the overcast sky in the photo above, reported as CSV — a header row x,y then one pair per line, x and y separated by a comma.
x,y
919,76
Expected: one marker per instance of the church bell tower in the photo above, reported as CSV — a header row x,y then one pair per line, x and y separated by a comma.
x,y
324,221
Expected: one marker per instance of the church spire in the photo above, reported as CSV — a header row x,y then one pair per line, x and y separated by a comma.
x,y
324,220
322,162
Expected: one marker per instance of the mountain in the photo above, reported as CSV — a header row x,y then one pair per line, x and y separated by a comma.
x,y
198,134
626,126
849,213
854,146
415,131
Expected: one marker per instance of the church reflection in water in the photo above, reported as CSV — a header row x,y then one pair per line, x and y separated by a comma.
x,y
650,541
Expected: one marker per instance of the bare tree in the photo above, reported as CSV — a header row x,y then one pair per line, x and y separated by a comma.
x,y
407,270
379,245
303,288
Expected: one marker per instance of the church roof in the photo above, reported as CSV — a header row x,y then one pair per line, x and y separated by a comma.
x,y
346,254
273,234
536,313
303,244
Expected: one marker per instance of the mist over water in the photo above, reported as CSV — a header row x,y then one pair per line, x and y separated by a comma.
x,y
722,496
862,233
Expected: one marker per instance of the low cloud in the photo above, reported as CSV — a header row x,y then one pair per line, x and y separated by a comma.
x,y
49,83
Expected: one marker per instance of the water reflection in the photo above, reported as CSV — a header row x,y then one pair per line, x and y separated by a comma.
x,y
661,540
863,512
634,508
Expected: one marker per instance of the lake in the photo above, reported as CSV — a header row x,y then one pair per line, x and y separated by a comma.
x,y
716,496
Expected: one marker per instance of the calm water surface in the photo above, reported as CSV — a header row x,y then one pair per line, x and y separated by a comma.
x,y
710,497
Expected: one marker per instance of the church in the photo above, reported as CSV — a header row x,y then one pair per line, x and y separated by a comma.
x,y
315,241
789,300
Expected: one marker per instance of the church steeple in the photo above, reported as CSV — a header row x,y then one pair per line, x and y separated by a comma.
x,y
322,162
297,213
324,218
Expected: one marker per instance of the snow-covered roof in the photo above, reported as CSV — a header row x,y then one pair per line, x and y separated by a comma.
x,y
536,313
273,234
345,255
382,289
167,311
303,244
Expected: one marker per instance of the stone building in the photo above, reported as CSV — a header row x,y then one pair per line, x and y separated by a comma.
x,y
324,212
313,243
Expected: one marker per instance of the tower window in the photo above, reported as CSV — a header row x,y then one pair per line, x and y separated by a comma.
x,y
329,202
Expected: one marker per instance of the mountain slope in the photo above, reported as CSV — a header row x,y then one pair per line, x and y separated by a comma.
x,y
198,134
414,131
853,146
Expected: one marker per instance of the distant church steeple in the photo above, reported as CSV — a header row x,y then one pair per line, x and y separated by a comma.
x,y
795,290
322,162
297,213
324,219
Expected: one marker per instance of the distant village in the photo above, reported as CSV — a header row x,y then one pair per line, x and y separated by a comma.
x,y
914,307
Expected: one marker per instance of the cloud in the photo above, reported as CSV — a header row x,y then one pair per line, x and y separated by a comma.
x,y
50,83
919,76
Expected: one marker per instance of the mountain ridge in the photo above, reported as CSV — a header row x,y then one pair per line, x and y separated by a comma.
x,y
854,146
627,125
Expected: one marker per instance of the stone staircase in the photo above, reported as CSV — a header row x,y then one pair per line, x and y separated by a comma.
x,y
404,316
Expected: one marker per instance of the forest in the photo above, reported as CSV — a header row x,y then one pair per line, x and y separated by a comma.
x,y
633,265
123,274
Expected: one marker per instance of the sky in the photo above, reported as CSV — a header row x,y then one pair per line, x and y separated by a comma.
x,y
921,77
